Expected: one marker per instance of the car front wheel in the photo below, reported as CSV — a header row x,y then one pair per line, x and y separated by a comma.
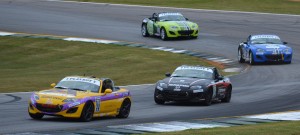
x,y
240,56
163,34
208,98
144,31
87,112
251,60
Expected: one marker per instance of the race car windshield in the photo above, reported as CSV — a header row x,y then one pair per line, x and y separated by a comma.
x,y
77,85
193,73
171,18
266,41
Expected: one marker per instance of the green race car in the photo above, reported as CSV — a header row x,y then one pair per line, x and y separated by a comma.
x,y
169,25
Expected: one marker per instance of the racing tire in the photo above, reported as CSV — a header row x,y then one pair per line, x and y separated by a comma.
x,y
227,97
157,100
36,116
289,62
251,61
240,56
87,112
208,98
144,30
163,34
125,109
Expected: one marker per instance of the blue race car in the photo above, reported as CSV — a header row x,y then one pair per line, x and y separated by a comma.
x,y
264,48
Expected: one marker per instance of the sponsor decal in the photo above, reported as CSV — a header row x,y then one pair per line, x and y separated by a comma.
x,y
166,14
272,46
195,68
82,79
74,104
51,97
180,85
264,36
177,88
97,100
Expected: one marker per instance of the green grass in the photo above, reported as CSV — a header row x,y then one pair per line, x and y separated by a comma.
x,y
278,128
270,6
28,64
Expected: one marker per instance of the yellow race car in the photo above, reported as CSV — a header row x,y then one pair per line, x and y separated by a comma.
x,y
81,97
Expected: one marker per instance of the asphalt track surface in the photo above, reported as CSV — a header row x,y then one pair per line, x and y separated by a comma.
x,y
261,89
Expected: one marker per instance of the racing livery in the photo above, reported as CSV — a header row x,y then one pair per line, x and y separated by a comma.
x,y
195,84
81,97
169,25
264,48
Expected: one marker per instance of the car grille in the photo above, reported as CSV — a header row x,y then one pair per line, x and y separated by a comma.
x,y
185,32
49,108
274,57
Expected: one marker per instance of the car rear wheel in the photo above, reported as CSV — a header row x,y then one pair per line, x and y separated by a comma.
x,y
144,30
163,34
87,112
228,95
157,99
240,56
36,116
208,98
125,109
251,60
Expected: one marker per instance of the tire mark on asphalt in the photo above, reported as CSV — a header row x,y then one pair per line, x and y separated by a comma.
x,y
16,98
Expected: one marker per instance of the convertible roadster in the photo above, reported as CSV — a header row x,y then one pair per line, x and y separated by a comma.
x,y
195,84
81,97
264,48
169,25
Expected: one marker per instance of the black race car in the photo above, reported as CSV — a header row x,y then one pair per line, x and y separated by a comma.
x,y
193,83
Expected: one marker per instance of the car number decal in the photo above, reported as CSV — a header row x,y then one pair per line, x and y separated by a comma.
x,y
98,104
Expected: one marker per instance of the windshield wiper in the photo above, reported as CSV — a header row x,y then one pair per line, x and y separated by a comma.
x,y
176,76
76,89
61,87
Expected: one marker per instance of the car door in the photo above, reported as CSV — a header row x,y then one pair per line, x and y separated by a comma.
x,y
220,84
109,100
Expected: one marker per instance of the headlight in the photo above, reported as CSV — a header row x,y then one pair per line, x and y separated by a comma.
x,y
196,89
194,26
260,51
174,27
70,100
287,50
36,97
161,86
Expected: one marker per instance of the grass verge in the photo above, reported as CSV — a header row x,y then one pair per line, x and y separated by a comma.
x,y
269,6
29,64
278,128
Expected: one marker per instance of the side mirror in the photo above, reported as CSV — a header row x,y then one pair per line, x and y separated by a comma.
x,y
107,91
245,42
168,74
186,18
285,43
52,85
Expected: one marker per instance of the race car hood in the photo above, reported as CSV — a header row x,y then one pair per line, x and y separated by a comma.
x,y
183,25
185,82
59,95
269,46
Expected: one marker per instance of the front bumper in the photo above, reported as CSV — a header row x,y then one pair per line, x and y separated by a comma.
x,y
187,95
56,110
182,33
273,58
